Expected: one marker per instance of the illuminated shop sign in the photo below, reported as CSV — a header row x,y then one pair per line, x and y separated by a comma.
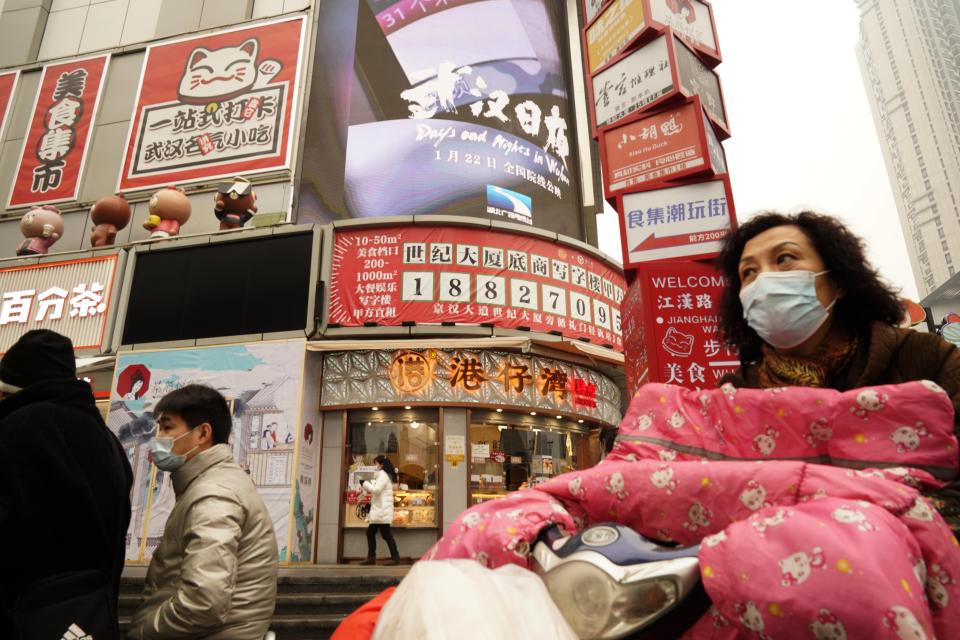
x,y
468,377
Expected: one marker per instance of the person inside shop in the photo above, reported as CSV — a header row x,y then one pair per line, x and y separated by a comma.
x,y
805,308
380,488
214,574
64,486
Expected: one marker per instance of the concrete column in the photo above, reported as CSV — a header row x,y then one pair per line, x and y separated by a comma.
x,y
454,479
328,511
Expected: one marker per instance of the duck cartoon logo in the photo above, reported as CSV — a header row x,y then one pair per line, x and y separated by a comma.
x,y
133,382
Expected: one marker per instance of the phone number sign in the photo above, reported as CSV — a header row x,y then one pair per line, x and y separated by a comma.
x,y
435,274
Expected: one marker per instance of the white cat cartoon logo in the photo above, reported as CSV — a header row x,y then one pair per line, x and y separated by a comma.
x,y
214,75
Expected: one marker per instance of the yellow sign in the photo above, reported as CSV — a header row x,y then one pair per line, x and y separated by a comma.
x,y
411,372
619,23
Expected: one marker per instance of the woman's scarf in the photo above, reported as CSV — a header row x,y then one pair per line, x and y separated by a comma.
x,y
815,370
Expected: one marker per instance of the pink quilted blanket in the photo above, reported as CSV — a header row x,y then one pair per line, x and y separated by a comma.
x,y
789,549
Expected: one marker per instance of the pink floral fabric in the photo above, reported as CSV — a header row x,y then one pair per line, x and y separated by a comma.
x,y
909,426
789,549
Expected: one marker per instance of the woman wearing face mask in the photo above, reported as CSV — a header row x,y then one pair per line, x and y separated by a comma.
x,y
805,308
380,489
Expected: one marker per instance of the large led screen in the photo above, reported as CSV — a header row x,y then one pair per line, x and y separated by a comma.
x,y
457,107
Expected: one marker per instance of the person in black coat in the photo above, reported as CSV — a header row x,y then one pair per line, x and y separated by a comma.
x,y
64,478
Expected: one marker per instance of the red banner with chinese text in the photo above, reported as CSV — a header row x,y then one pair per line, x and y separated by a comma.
x,y
8,85
664,145
672,308
215,105
435,274
55,146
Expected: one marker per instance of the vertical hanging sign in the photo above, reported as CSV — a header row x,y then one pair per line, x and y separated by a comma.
x,y
8,86
55,146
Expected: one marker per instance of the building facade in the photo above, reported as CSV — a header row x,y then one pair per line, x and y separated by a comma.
x,y
416,278
909,53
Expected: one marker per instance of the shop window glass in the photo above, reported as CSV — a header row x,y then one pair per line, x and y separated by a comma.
x,y
409,439
509,453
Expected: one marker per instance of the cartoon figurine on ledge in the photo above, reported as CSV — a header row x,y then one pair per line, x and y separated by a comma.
x,y
41,227
234,203
169,209
109,215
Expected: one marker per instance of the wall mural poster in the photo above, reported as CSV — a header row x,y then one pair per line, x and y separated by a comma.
x,y
54,149
215,105
262,384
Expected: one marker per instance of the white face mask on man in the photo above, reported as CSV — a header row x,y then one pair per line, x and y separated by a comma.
x,y
161,452
783,308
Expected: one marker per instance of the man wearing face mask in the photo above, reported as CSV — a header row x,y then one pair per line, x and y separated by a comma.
x,y
214,574
64,479
805,308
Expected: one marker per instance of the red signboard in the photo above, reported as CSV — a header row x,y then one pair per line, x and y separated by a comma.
x,y
55,146
436,274
671,310
663,145
8,85
215,105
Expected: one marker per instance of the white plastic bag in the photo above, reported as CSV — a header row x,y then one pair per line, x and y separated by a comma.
x,y
442,599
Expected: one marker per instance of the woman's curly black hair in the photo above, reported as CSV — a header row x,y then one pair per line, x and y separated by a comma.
x,y
866,298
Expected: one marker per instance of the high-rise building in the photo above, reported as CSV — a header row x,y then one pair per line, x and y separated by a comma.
x,y
909,53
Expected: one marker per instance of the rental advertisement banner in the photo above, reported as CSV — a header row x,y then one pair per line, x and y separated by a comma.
x,y
676,311
692,20
8,87
434,274
664,145
54,149
619,24
688,221
72,297
215,105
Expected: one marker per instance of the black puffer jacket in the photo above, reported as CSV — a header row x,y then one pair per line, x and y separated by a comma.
x,y
64,489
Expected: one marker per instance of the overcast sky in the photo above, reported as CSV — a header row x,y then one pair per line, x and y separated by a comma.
x,y
803,135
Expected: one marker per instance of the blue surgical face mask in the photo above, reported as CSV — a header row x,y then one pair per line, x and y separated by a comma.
x,y
783,308
161,450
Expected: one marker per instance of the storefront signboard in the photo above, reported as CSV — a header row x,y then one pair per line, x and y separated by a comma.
x,y
664,145
72,297
55,146
675,308
633,82
436,274
619,24
8,88
636,359
658,72
692,20
429,376
688,221
696,79
215,105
